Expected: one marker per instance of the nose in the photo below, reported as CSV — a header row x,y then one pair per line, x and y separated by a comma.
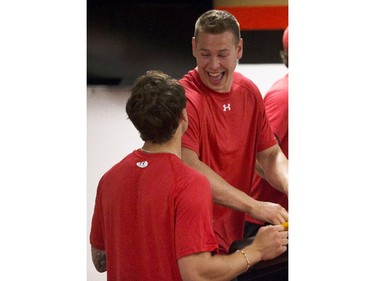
x,y
214,62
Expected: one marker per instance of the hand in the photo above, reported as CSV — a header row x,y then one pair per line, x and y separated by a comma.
x,y
270,241
269,212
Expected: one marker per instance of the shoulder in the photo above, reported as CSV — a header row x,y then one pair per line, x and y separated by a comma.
x,y
246,85
189,177
195,91
190,80
278,91
118,168
281,84
241,80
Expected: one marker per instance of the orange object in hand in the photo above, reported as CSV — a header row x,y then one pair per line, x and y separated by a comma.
x,y
285,225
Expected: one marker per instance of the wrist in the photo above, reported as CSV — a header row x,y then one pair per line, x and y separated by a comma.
x,y
252,206
253,254
246,259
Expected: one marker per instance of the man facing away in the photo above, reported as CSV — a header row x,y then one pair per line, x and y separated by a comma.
x,y
153,214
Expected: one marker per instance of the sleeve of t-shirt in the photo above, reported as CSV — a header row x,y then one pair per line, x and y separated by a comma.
x,y
276,103
96,234
194,230
190,139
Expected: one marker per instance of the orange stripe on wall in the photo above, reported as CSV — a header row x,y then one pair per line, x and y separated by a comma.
x,y
260,18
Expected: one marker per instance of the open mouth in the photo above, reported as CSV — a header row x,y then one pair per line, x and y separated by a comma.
x,y
215,77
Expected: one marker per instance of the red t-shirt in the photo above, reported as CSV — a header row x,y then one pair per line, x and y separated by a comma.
x,y
151,210
226,130
276,103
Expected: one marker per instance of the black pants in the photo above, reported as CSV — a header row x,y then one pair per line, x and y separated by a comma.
x,y
250,229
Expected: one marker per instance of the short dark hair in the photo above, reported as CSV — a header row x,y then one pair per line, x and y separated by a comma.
x,y
216,22
155,106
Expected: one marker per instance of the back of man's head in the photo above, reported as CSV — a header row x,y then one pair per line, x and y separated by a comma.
x,y
155,106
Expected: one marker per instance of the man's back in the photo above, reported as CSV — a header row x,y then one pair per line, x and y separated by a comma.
x,y
148,211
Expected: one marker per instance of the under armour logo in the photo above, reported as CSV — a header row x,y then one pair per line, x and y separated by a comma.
x,y
225,107
142,164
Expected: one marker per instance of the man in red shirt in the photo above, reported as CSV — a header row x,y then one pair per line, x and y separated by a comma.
x,y
153,214
228,129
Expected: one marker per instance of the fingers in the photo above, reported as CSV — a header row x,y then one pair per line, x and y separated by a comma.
x,y
273,240
278,227
271,212
281,229
284,235
281,216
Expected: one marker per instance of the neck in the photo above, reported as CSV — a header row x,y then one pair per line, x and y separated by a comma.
x,y
171,146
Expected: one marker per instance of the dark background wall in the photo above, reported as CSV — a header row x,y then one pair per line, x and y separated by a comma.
x,y
126,38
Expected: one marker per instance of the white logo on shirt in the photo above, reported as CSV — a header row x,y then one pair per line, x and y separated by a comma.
x,y
142,164
225,107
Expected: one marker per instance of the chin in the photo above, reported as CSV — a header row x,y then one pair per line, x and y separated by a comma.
x,y
221,88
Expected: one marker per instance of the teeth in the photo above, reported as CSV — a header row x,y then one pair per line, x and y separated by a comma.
x,y
214,74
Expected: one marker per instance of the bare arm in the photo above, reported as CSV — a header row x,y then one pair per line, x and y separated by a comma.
x,y
99,258
229,196
259,169
275,167
269,243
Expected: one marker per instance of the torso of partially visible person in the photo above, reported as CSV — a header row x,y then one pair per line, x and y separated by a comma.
x,y
276,104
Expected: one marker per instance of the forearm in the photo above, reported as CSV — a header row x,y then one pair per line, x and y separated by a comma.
x,y
277,174
270,242
231,197
223,193
275,167
204,266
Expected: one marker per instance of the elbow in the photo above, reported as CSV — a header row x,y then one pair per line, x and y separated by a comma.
x,y
100,269
99,259
101,266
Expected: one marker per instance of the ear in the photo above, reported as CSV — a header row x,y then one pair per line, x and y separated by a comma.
x,y
184,120
239,48
184,115
194,46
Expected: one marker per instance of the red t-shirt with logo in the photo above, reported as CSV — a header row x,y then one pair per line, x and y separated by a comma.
x,y
151,210
226,130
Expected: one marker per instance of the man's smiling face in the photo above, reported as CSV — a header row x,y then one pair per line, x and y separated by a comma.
x,y
217,56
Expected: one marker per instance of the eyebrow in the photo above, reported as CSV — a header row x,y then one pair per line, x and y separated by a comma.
x,y
220,51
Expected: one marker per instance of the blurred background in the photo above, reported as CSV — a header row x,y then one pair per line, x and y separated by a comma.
x,y
126,38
